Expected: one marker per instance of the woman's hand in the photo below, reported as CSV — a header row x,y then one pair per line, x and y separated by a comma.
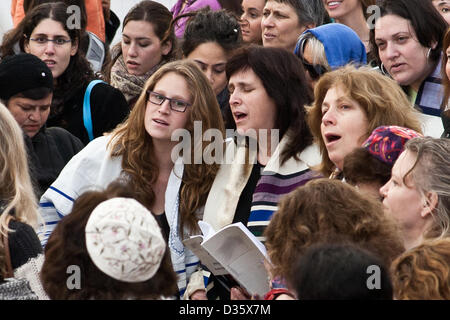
x,y
199,295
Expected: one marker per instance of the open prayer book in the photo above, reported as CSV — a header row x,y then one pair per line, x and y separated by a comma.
x,y
232,250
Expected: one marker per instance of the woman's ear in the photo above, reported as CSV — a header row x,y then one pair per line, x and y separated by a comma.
x,y
74,48
26,44
166,47
431,202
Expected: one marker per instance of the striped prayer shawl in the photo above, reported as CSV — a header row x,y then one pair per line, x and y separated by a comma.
x,y
431,93
269,190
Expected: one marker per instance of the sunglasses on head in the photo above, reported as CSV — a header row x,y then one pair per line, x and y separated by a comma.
x,y
315,70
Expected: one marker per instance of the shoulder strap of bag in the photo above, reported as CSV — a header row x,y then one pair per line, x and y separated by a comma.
x,y
9,269
87,119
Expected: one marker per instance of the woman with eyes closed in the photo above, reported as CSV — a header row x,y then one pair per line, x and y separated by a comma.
x,y
285,20
45,33
407,43
141,151
209,39
349,104
273,148
148,42
251,20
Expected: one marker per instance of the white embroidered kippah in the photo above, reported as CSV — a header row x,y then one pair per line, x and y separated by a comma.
x,y
124,240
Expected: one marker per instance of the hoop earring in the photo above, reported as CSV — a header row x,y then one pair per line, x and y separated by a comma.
x,y
428,53
383,70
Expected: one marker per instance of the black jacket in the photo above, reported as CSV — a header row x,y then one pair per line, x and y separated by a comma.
x,y
108,109
48,153
446,122
23,244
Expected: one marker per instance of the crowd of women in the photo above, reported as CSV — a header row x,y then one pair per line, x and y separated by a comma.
x,y
331,145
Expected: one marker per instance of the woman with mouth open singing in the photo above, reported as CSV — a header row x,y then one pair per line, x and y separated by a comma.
x,y
349,104
142,150
46,33
273,147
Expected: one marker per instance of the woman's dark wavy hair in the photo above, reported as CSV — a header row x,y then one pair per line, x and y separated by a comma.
x,y
283,77
221,27
67,246
78,72
426,21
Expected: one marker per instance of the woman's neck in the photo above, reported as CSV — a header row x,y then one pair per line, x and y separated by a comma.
x,y
417,84
266,148
163,153
357,22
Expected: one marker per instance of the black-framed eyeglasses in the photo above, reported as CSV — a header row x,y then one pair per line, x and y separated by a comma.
x,y
56,41
315,70
175,104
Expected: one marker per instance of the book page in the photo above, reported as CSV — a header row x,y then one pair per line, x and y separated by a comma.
x,y
194,244
242,255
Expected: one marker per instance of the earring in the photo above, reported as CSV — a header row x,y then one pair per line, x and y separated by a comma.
x,y
428,53
383,70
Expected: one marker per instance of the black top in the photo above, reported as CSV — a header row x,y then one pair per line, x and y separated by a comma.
x,y
108,109
223,284
163,224
24,244
111,27
48,152
446,122
245,200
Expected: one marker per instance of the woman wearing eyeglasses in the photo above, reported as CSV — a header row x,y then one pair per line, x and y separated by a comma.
x,y
47,33
142,151
327,48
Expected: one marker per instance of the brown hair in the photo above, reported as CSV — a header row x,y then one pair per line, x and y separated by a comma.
x,y
445,79
423,273
285,82
67,246
131,141
360,166
381,99
326,210
161,20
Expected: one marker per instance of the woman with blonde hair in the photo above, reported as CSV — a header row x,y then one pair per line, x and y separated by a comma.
x,y
18,205
143,150
349,104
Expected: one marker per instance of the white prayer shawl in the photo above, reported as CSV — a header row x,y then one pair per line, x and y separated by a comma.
x,y
93,168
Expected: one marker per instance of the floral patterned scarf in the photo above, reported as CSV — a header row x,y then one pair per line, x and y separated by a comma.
x,y
130,85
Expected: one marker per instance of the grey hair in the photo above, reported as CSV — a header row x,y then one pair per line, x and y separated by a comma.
x,y
317,49
431,173
308,11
